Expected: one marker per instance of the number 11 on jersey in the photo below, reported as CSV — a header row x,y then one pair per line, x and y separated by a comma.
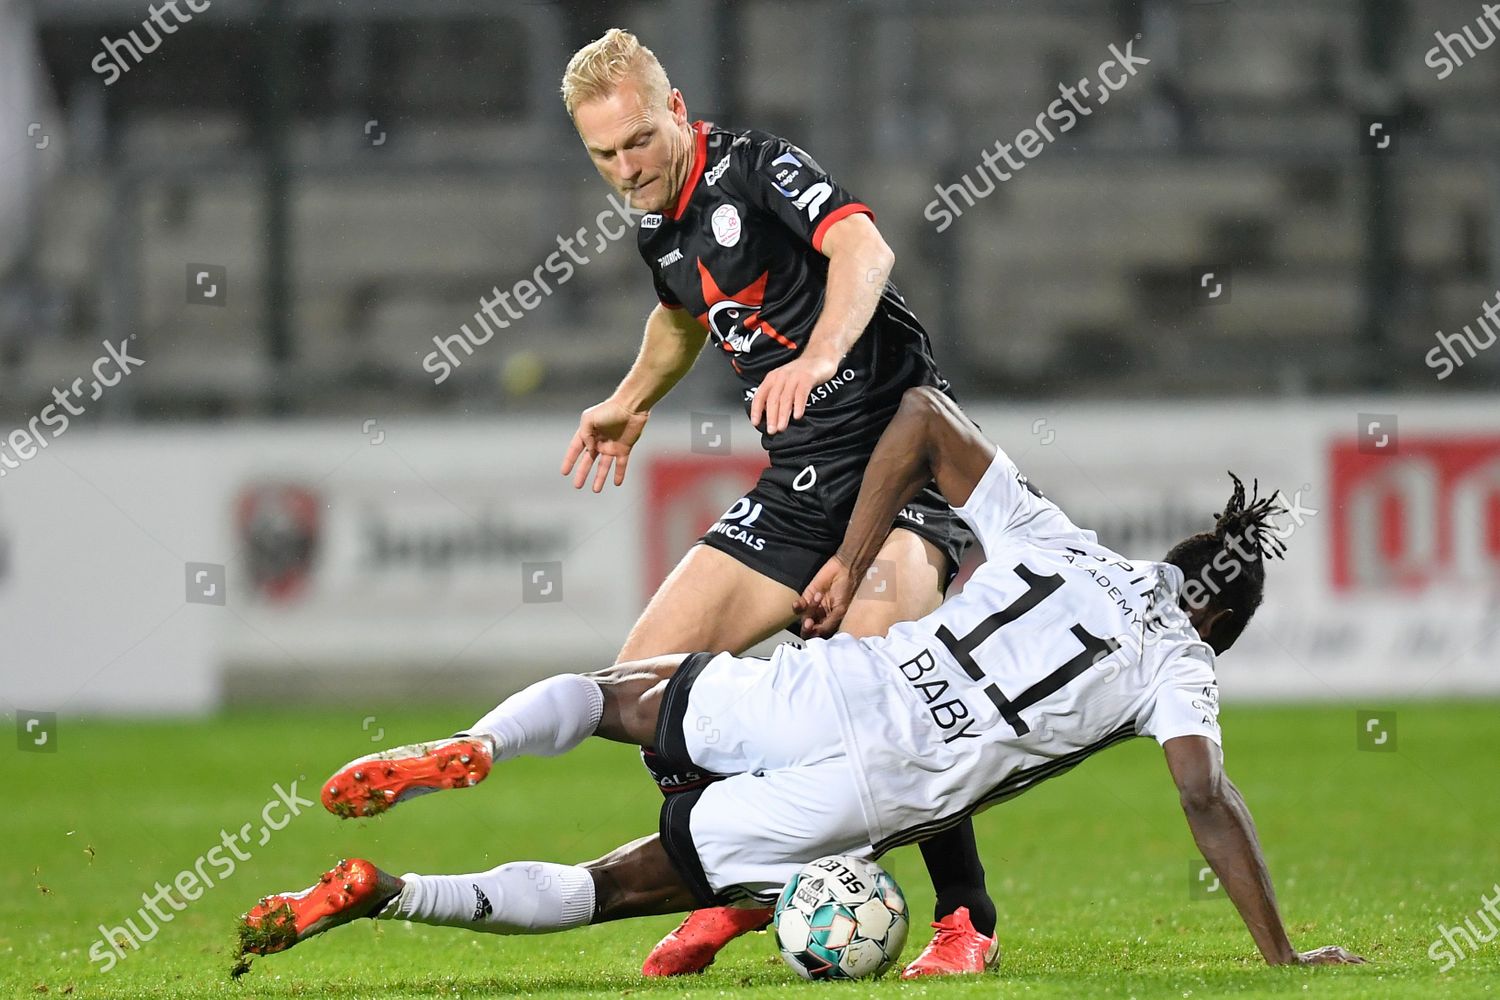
x,y
1038,589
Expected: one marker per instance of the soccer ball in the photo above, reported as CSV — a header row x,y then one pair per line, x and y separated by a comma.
x,y
841,918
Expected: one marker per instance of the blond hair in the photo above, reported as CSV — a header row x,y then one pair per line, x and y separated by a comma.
x,y
598,68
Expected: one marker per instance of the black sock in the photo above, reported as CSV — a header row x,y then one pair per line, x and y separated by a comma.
x,y
952,859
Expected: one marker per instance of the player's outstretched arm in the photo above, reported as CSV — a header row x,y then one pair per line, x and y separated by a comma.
x,y
1225,833
859,262
608,430
929,439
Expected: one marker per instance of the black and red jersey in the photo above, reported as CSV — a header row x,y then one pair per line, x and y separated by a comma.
x,y
741,250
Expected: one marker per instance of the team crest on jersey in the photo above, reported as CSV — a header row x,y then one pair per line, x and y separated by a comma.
x,y
652,221
735,320
726,223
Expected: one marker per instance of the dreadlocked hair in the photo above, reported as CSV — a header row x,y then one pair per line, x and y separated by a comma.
x,y
1224,569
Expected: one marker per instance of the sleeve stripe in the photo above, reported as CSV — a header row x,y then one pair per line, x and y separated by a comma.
x,y
842,212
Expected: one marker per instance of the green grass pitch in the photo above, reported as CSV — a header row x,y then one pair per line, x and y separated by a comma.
x,y
1091,872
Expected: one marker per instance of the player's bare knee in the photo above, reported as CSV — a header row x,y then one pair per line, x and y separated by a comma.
x,y
923,401
613,901
619,686
632,699
631,882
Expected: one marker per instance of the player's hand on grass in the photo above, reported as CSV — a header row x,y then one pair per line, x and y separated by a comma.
x,y
1328,955
606,432
826,599
782,396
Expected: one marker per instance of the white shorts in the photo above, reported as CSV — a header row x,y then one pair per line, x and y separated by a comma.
x,y
790,794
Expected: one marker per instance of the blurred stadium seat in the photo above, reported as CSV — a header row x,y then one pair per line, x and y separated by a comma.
x,y
1237,150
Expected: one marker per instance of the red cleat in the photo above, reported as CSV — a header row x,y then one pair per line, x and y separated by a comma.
x,y
352,889
371,785
956,949
695,942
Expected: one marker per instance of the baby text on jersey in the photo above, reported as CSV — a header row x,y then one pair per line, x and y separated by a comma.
x,y
1111,574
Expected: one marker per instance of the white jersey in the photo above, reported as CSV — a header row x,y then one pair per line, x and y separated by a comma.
x,y
1057,648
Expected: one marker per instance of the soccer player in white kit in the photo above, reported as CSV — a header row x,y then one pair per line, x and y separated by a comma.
x,y
1056,648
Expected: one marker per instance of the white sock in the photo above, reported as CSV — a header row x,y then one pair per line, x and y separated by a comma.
x,y
520,897
549,718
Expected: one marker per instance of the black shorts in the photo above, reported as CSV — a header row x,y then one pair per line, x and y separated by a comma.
x,y
786,528
794,519
681,796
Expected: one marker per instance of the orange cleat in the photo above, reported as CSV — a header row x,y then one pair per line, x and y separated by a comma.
x,y
695,942
371,785
956,949
350,890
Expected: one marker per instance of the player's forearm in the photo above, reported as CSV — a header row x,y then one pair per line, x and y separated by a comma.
x,y
857,274
899,467
1225,833
668,351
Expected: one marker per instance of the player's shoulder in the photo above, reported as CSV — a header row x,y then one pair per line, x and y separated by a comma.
x,y
1183,660
746,142
1180,695
754,150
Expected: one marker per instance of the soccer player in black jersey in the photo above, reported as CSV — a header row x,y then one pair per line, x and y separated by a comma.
x,y
757,252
